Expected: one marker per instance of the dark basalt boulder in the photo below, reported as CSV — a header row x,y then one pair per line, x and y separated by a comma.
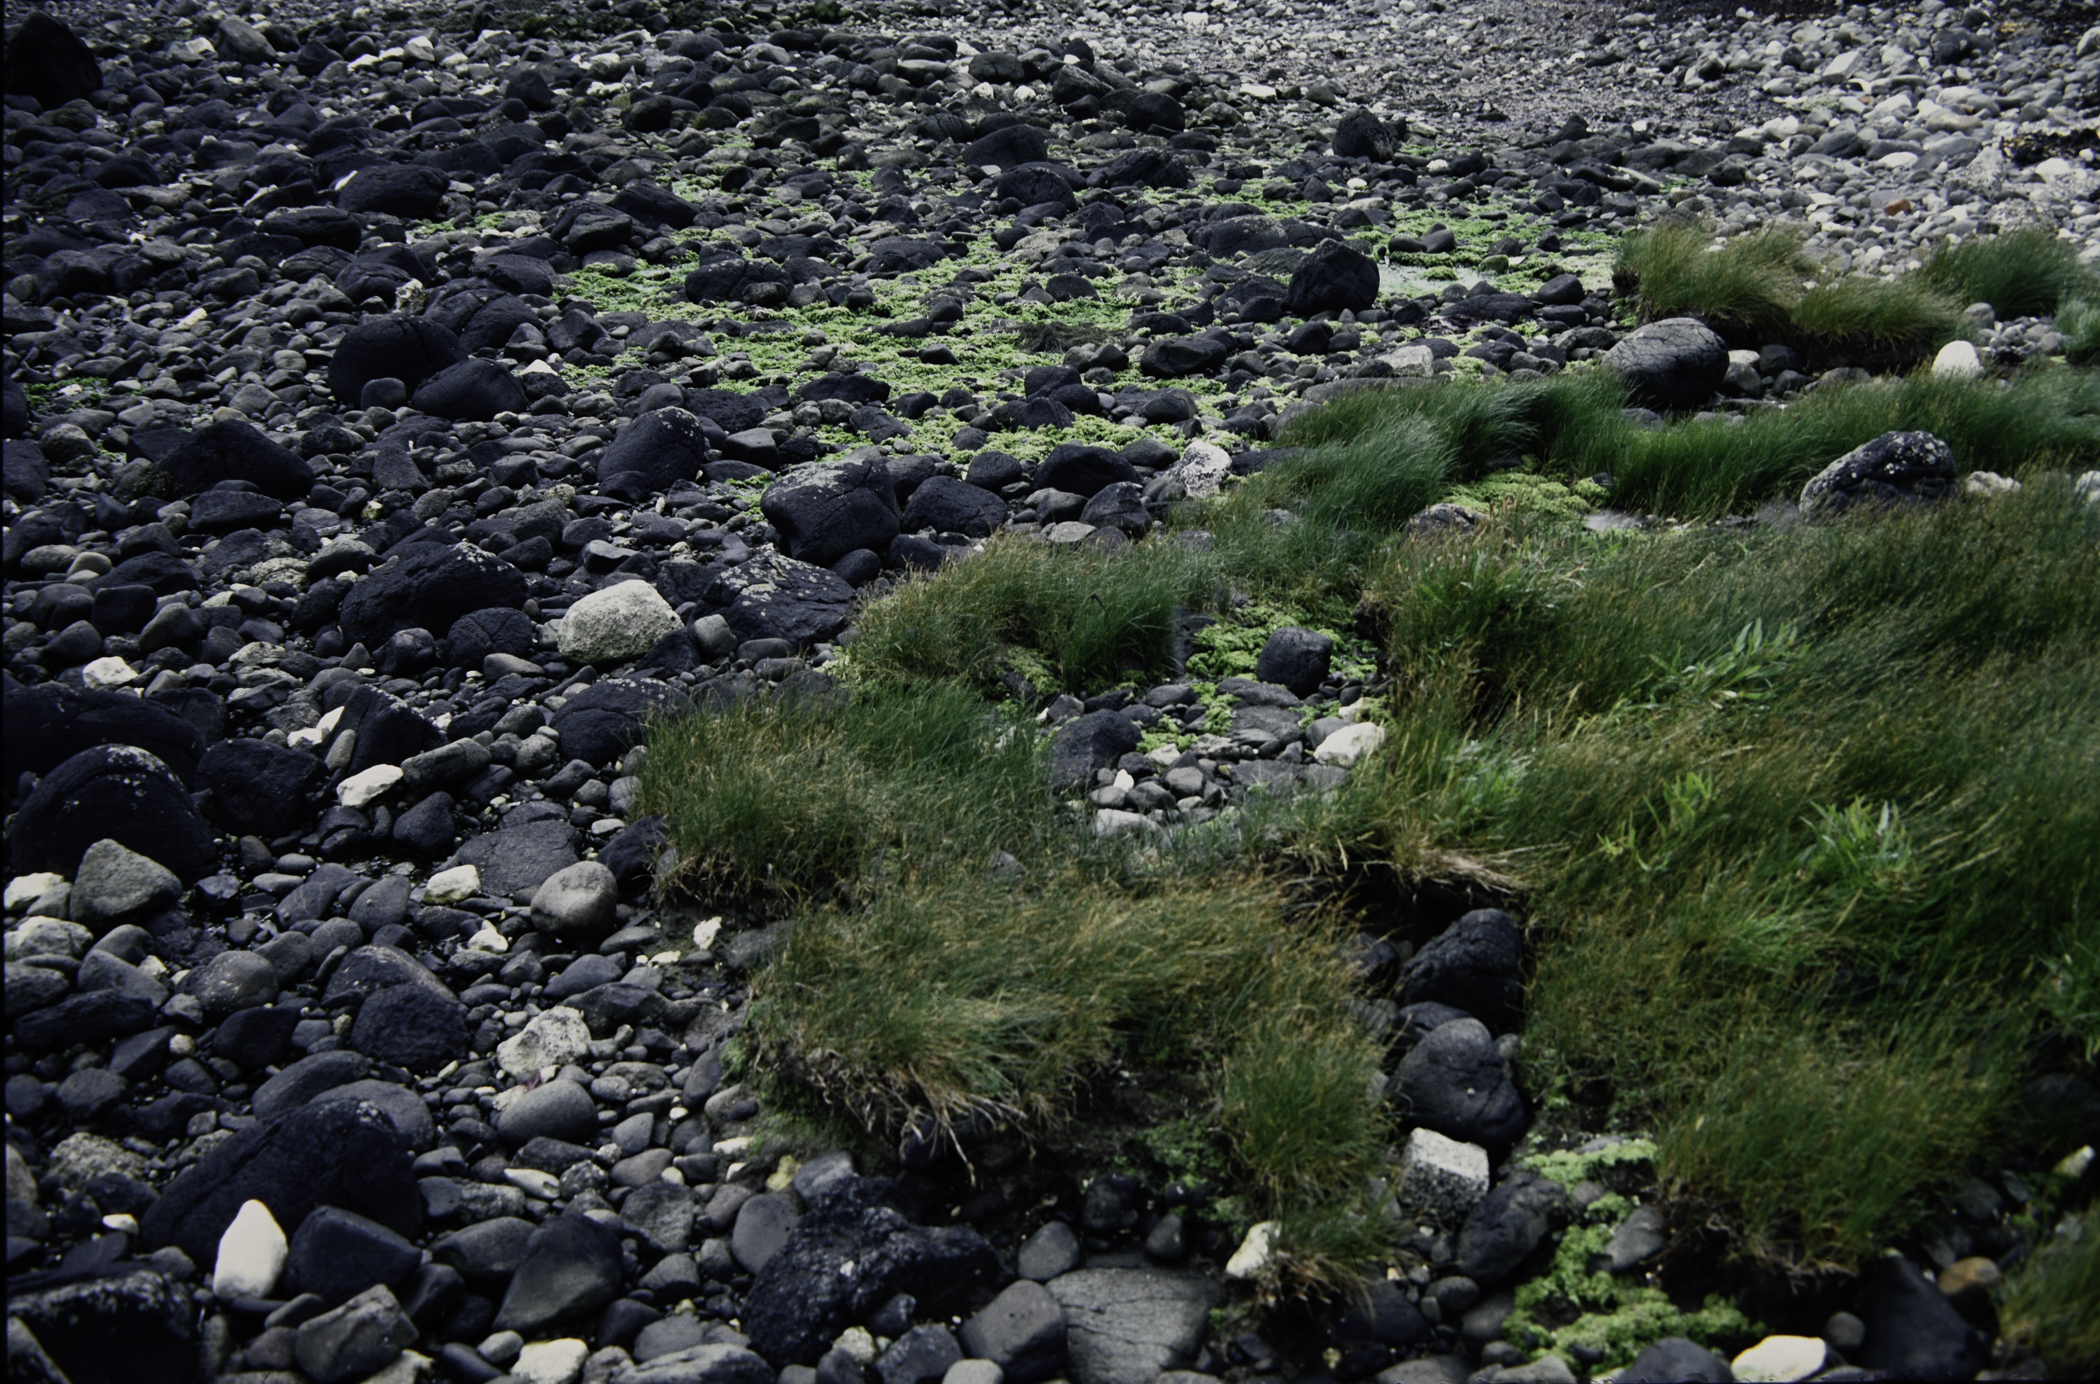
x,y
117,792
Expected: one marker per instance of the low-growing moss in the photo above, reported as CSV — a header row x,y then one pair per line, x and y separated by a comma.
x,y
1614,1315
1570,1166
1521,492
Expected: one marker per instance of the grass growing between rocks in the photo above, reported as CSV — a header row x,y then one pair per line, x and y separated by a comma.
x,y
1078,620
1802,814
2048,1305
919,983
1765,287
2022,273
1570,427
1747,288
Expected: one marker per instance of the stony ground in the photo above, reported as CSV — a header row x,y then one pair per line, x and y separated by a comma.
x,y
397,403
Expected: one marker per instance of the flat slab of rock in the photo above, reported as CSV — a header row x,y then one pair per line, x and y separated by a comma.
x,y
1127,1326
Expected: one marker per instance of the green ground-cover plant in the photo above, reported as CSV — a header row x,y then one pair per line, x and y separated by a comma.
x,y
2022,273
1570,428
1793,874
1092,616
2048,1305
1749,287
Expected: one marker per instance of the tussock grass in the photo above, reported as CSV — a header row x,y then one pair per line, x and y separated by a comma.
x,y
1799,812
2048,1305
1571,427
2023,273
1710,467
1089,616
2079,321
918,984
788,798
1860,320
1745,289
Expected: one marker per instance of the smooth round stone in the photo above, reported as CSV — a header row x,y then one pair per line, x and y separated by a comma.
x,y
252,1254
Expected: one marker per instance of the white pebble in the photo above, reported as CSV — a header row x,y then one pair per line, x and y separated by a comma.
x,y
251,1254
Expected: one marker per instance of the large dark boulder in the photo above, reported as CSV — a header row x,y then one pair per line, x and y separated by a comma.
x,y
429,587
775,597
1338,277
1009,146
571,1267
408,349
1178,356
1913,1329
28,474
336,1153
337,1254
1475,965
477,634
1676,1360
407,190
731,278
1082,470
1142,168
128,1321
603,721
947,505
411,1026
236,451
1089,743
1676,363
94,1017
653,453
1896,468
1362,135
389,730
1455,1082
516,859
47,724
1507,1225
828,509
854,1250
259,787
114,791
648,204
1296,658
46,60
475,390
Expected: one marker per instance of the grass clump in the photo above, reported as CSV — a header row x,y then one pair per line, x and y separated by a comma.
x,y
2079,321
1085,618
2023,273
1569,428
1747,287
1802,813
788,798
1856,319
2048,1305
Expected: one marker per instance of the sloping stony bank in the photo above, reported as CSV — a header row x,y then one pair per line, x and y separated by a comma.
x,y
401,409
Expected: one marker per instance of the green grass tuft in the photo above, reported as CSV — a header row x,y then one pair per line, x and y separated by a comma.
x,y
2048,1304
1798,811
1091,617
2079,321
1883,322
1746,288
2023,273
791,798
